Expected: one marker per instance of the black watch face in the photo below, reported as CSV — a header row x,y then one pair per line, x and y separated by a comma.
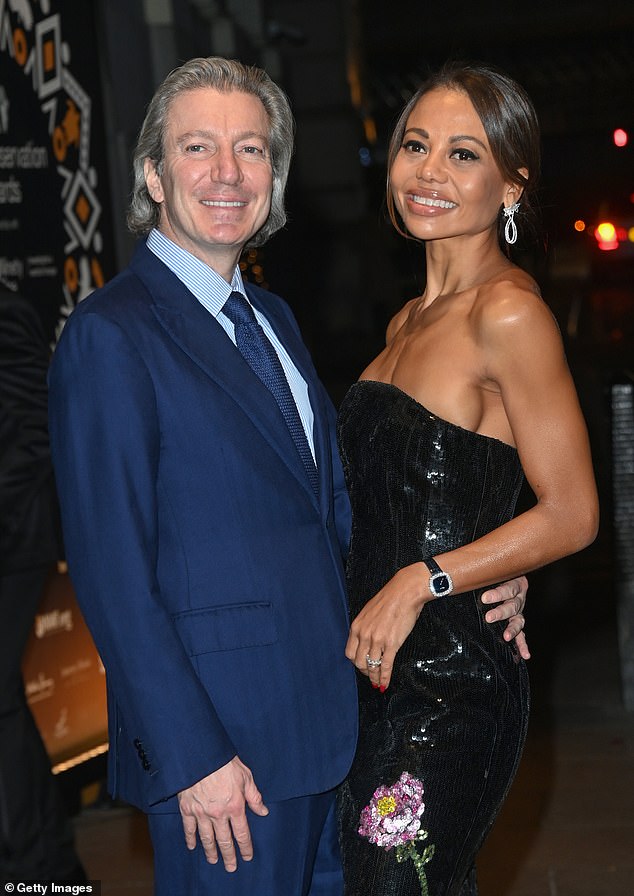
x,y
441,584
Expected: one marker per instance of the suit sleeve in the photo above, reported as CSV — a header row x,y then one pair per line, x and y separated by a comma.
x,y
105,440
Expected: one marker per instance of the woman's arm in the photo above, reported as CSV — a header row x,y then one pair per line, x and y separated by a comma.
x,y
525,360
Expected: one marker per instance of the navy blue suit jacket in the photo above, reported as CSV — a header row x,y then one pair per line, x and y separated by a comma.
x,y
209,573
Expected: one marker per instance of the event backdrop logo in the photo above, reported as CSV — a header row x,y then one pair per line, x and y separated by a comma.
x,y
55,232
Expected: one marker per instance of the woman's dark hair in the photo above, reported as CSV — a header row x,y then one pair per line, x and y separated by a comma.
x,y
509,121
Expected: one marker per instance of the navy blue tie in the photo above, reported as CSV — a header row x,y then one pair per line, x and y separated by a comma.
x,y
262,358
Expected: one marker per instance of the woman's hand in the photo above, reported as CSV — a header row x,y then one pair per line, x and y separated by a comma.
x,y
385,622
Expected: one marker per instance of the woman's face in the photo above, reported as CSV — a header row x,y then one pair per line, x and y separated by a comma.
x,y
444,179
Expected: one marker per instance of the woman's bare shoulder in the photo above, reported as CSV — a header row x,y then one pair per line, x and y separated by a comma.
x,y
511,299
398,320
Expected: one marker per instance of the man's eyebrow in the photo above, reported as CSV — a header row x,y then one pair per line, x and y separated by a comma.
x,y
192,135
211,135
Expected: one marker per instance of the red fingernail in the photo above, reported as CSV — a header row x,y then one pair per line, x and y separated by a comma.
x,y
383,688
375,686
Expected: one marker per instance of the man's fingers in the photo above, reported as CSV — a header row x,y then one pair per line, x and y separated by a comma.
x,y
510,609
497,595
227,848
219,841
514,627
190,827
515,630
254,799
522,645
242,836
214,812
515,589
202,826
208,843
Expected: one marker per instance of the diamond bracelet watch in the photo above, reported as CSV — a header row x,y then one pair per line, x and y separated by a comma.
x,y
440,583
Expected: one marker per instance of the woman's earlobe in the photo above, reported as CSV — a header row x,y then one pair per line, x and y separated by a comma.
x,y
514,194
519,188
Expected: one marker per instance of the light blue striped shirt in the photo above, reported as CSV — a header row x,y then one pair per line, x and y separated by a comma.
x,y
212,291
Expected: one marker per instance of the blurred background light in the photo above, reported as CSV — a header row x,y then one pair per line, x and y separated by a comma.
x,y
606,236
620,137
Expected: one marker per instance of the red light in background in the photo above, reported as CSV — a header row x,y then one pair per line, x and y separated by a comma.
x,y
580,225
606,236
620,137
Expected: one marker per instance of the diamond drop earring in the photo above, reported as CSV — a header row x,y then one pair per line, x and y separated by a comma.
x,y
510,228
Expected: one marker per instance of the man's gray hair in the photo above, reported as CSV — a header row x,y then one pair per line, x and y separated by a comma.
x,y
224,75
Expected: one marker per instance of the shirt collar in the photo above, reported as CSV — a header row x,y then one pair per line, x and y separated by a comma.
x,y
211,290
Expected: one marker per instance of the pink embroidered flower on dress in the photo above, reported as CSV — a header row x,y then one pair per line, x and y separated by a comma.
x,y
392,819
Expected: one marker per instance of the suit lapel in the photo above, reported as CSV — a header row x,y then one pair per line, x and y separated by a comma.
x,y
202,338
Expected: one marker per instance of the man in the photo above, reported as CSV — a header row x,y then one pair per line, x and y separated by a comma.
x,y
36,837
205,513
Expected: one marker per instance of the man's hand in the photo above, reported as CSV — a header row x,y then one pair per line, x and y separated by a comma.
x,y
216,808
510,599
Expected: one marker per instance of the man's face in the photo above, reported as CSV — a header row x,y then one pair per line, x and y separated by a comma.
x,y
216,183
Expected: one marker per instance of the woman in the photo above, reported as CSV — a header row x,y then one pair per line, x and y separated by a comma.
x,y
471,391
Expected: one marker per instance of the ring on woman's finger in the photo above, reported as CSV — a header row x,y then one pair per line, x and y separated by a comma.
x,y
373,664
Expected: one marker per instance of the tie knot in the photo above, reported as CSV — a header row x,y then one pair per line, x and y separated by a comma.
x,y
238,310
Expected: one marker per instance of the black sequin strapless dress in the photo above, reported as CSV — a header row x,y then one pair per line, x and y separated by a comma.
x,y
456,711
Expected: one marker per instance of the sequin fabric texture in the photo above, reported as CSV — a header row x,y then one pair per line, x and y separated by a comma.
x,y
456,711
